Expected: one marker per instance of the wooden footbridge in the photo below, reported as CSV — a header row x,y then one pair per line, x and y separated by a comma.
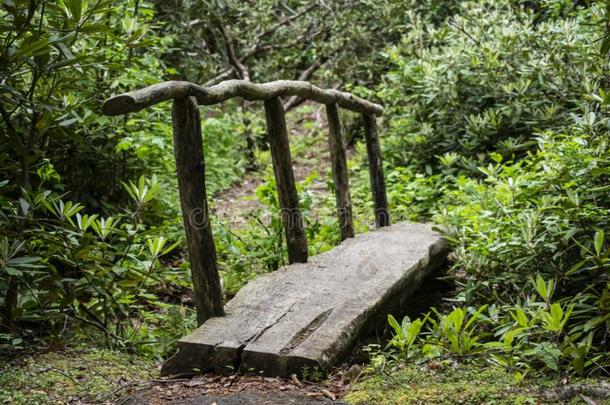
x,y
311,312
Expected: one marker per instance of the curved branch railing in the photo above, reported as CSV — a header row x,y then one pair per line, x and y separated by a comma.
x,y
190,164
139,99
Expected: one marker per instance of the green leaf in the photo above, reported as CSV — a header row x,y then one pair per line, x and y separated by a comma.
x,y
599,241
68,122
11,271
24,260
30,46
394,324
75,8
520,317
170,248
95,28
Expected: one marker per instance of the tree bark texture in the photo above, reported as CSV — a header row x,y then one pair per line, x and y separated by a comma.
x,y
190,167
277,133
380,199
340,172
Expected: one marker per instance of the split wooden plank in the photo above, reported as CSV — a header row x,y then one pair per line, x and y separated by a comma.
x,y
311,314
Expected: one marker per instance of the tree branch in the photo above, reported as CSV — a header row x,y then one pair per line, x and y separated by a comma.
x,y
140,99
305,75
7,119
237,64
286,21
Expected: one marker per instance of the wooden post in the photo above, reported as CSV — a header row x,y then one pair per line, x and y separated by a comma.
x,y
380,199
340,173
284,179
190,167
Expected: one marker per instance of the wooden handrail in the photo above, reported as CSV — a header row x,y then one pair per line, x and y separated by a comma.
x,y
190,165
142,98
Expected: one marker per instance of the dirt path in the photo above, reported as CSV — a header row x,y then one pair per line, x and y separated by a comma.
x,y
309,149
234,389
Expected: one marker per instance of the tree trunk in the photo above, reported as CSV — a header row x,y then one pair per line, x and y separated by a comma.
x,y
249,137
190,167
284,179
340,172
380,199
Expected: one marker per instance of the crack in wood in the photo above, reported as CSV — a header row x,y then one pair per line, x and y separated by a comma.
x,y
307,331
240,350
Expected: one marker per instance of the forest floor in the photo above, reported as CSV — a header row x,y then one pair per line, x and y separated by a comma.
x,y
82,375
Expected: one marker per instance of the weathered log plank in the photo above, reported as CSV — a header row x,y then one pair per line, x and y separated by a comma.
x,y
340,172
139,99
190,167
310,315
373,149
277,134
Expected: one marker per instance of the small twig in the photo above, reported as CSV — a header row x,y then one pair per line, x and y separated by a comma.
x,y
328,394
295,380
60,372
461,29
170,380
122,387
63,329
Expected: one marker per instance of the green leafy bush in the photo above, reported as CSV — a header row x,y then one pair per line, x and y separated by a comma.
x,y
106,271
538,214
532,335
79,240
501,121
486,79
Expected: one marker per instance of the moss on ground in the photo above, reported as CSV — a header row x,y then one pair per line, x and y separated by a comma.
x,y
451,383
86,375
74,375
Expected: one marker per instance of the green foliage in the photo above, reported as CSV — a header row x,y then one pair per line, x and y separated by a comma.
x,y
224,156
538,214
499,114
77,374
102,270
486,79
533,335
58,61
405,334
82,242
281,40
447,382
544,214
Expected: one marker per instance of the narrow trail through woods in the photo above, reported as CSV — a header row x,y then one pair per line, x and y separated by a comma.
x,y
309,148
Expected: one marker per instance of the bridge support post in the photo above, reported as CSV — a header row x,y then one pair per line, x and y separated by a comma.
x,y
380,198
284,179
340,172
190,167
